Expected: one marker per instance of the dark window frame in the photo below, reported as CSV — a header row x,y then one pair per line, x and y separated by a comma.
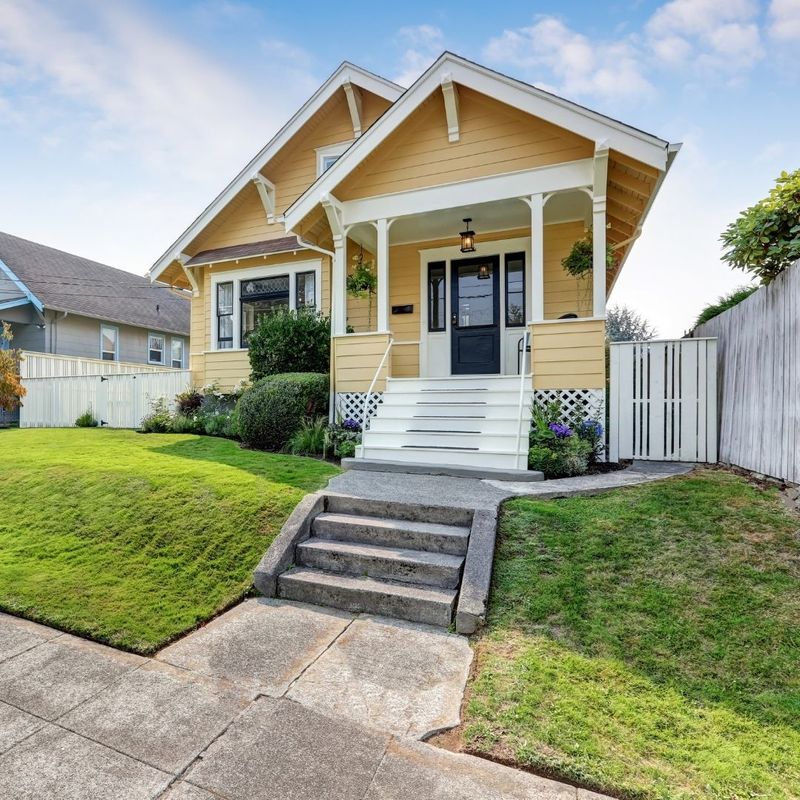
x,y
442,265
223,340
297,276
508,258
256,296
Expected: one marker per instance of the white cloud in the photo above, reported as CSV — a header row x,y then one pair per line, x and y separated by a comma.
x,y
719,35
139,89
550,49
423,44
784,16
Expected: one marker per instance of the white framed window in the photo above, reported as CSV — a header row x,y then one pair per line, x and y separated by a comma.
x,y
327,156
240,298
109,343
177,348
155,348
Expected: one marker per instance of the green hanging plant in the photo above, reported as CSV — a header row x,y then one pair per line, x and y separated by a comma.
x,y
363,282
580,258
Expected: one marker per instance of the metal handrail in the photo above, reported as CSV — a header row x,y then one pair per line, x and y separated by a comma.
x,y
372,385
522,390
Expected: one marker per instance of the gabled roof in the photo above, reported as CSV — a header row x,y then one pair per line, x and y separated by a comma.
x,y
65,282
346,72
637,144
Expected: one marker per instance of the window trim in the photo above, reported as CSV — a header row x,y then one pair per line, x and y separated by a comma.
x,y
218,316
163,338
250,273
508,257
443,266
172,342
328,151
297,289
114,328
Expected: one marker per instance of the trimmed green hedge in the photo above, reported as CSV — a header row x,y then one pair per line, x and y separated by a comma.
x,y
272,409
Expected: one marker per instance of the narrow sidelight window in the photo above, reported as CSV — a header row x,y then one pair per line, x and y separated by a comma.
x,y
225,315
437,318
306,290
515,290
155,348
109,343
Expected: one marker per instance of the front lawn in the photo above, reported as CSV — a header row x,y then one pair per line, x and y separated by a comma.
x,y
132,539
646,642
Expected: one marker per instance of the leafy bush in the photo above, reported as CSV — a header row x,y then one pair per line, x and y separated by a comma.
x,y
11,389
273,408
344,437
188,402
222,423
724,303
555,449
591,432
86,420
186,423
297,341
159,420
310,439
580,259
765,239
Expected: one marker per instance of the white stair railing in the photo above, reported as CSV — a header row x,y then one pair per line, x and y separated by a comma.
x,y
526,340
365,413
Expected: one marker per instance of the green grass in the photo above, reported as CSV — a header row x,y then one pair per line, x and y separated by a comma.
x,y
132,539
646,642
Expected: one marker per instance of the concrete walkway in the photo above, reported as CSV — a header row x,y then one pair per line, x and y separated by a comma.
x,y
271,700
440,490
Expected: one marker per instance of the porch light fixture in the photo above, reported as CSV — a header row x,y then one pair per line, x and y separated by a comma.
x,y
467,238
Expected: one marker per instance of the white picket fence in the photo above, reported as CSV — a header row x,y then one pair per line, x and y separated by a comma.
x,y
116,398
663,400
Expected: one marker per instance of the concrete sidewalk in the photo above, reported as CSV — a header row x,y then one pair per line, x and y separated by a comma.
x,y
271,700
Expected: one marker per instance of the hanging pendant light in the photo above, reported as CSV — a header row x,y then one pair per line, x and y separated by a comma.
x,y
467,237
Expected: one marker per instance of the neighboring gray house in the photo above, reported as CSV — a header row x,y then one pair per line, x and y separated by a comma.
x,y
71,306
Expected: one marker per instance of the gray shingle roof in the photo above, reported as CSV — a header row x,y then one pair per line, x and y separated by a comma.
x,y
65,282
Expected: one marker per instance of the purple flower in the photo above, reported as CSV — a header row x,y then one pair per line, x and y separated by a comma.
x,y
351,425
561,431
591,427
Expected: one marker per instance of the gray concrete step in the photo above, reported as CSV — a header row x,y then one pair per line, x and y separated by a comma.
x,y
367,595
407,534
389,563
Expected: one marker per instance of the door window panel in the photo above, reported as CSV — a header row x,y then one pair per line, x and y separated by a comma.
x,y
476,295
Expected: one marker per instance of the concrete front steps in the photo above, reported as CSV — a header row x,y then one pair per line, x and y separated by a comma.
x,y
389,559
467,421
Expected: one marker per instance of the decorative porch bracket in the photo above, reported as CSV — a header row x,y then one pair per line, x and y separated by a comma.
x,y
333,211
450,94
599,202
266,191
182,258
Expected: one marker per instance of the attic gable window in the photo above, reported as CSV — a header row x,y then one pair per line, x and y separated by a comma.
x,y
329,155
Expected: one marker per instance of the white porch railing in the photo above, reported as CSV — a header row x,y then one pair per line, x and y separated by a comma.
x,y
525,341
365,414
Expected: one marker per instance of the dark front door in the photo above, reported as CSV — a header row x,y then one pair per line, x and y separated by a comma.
x,y
475,316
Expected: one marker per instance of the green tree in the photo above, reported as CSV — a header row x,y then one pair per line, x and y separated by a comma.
x,y
765,238
11,389
623,324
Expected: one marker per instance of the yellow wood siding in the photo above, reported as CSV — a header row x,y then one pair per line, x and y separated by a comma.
x,y
564,294
569,354
495,138
356,359
226,368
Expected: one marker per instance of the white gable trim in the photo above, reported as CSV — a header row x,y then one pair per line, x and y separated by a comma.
x,y
449,67
29,295
347,73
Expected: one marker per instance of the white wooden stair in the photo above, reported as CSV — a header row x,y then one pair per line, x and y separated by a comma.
x,y
460,421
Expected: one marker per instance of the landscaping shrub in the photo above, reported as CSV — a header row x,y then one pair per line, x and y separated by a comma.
x,y
222,423
86,420
555,449
189,401
344,437
186,423
284,341
723,303
159,420
272,410
310,439
591,432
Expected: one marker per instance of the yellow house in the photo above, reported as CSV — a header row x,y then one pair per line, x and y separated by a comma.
x,y
466,191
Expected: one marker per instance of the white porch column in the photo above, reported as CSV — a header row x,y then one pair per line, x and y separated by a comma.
x,y
338,287
536,290
382,257
599,229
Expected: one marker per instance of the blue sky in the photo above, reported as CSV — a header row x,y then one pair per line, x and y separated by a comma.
x,y
120,121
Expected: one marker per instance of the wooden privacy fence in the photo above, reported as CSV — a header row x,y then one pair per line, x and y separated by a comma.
x,y
759,379
117,400
45,365
663,400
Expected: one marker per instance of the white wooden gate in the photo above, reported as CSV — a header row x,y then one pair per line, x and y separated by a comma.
x,y
117,401
664,400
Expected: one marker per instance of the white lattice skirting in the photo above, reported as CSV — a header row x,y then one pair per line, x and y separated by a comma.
x,y
350,405
576,404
